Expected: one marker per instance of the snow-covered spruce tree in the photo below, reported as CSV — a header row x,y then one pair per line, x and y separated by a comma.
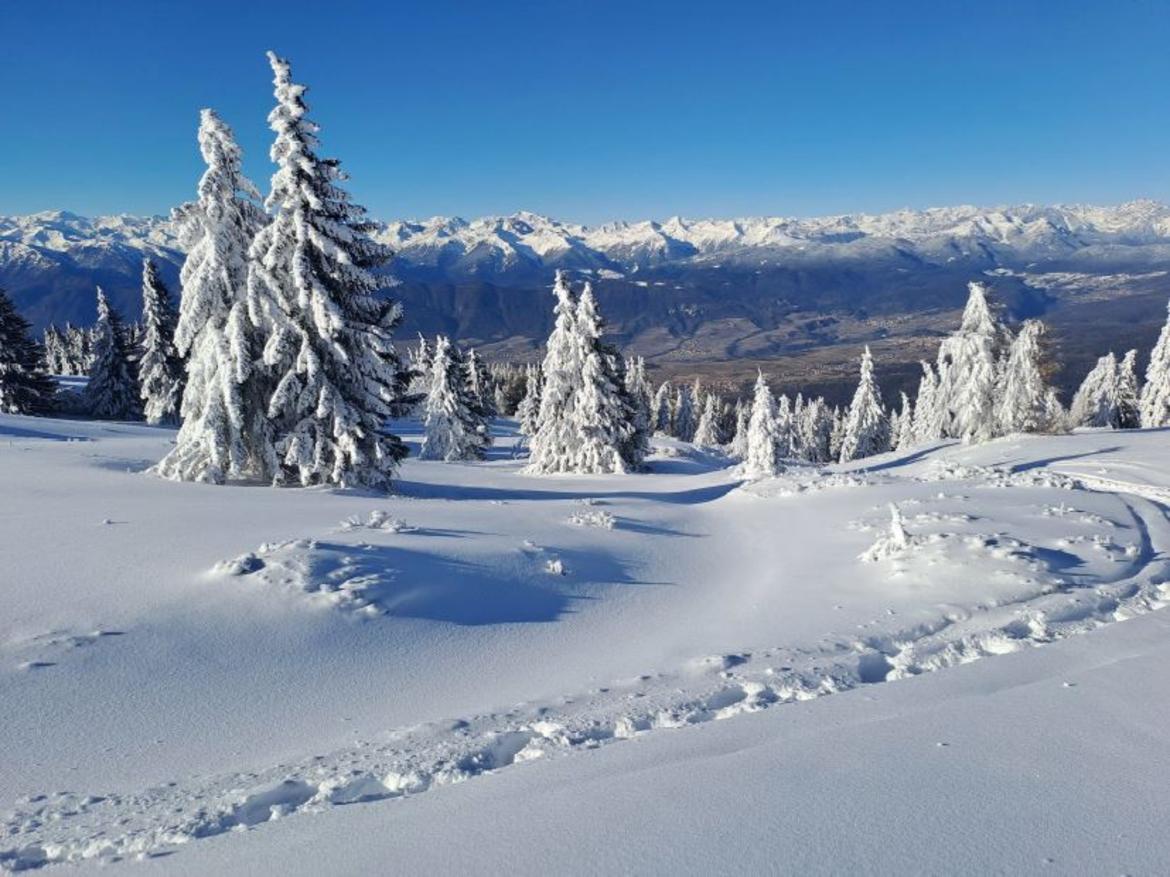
x,y
160,368
479,384
904,437
1023,392
930,413
56,359
866,429
816,428
419,358
738,447
511,380
763,458
1096,402
554,444
663,407
603,413
707,432
225,433
25,388
1155,398
785,428
334,370
968,371
684,414
836,434
112,391
641,397
79,349
528,412
1128,396
796,437
455,427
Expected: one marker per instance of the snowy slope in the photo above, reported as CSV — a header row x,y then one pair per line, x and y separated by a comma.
x,y
192,661
1045,761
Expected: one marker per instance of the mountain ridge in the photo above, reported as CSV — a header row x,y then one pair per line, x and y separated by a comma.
x,y
685,292
492,246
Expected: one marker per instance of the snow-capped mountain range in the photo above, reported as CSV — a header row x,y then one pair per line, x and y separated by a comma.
x,y
493,247
500,244
484,279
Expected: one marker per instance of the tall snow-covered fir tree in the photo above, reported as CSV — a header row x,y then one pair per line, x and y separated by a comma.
x,y
684,414
528,412
968,371
904,437
1023,393
866,429
419,359
763,457
603,413
738,447
452,413
25,388
588,422
929,412
1128,395
555,443
55,352
1097,402
837,433
78,349
479,384
1155,397
816,431
160,368
663,408
797,435
707,431
335,374
112,391
641,397
225,432
785,428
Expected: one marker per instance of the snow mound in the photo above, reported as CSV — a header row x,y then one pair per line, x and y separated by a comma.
x,y
600,519
341,576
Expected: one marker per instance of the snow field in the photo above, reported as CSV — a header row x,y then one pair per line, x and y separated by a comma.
x,y
201,665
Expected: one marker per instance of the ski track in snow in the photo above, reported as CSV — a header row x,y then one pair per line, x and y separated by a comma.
x,y
64,827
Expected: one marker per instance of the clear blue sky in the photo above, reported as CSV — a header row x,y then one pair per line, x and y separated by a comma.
x,y
594,110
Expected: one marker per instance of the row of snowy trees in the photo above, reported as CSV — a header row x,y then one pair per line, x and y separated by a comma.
x,y
771,431
130,373
134,373
68,351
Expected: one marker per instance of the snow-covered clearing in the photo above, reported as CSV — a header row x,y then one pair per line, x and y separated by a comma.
x,y
183,662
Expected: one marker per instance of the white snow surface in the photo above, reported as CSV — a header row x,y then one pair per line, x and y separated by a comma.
x,y
670,672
